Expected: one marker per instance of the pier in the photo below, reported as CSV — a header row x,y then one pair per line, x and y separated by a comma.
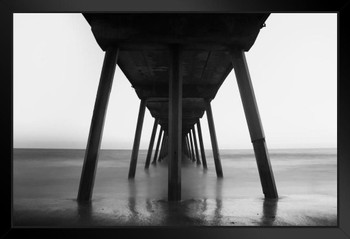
x,y
176,63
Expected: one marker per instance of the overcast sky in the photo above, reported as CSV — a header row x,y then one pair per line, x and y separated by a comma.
x,y
57,66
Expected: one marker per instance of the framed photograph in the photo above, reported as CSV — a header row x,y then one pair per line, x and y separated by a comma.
x,y
169,119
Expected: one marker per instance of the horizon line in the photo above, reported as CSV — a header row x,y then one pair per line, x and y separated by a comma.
x,y
205,148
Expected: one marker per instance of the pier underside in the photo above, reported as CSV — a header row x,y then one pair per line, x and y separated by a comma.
x,y
176,63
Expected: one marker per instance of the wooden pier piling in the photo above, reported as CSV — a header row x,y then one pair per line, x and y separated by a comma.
x,y
135,148
87,178
214,142
192,147
254,123
188,147
150,147
201,144
163,147
196,145
154,161
175,127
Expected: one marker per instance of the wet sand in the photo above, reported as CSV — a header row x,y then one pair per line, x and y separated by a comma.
x,y
46,184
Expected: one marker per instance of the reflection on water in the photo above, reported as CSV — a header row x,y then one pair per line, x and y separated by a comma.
x,y
218,192
161,212
85,211
269,213
45,189
132,199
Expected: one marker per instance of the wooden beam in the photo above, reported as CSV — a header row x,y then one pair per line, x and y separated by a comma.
x,y
150,147
157,146
190,91
196,145
254,124
201,145
87,178
214,142
135,148
175,127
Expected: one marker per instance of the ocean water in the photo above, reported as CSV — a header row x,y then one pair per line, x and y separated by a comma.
x,y
46,181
